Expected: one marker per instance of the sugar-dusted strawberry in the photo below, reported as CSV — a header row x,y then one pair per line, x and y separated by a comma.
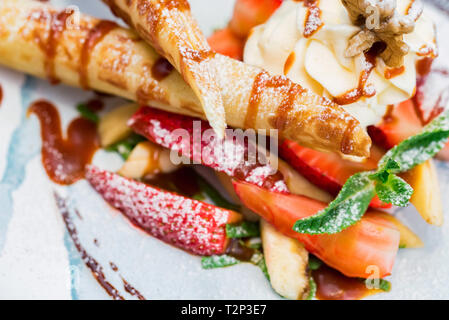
x,y
432,94
328,171
195,139
194,226
400,123
373,241
250,13
224,41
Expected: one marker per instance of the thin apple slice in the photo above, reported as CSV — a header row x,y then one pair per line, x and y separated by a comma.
x,y
426,196
145,159
113,128
408,238
286,260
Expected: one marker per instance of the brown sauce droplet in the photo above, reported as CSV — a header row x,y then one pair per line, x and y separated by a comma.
x,y
362,89
64,160
390,73
161,69
182,181
96,34
389,115
113,266
332,285
1,95
58,23
238,251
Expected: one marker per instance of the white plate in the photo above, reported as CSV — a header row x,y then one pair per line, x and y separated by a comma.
x,y
39,260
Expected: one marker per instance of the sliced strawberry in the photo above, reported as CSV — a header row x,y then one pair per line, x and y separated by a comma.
x,y
373,241
195,139
326,170
227,43
444,154
250,13
191,225
432,94
401,123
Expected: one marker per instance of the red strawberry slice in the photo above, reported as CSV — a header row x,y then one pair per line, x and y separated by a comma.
x,y
399,124
432,97
432,94
373,241
250,13
326,170
227,43
195,139
444,154
191,225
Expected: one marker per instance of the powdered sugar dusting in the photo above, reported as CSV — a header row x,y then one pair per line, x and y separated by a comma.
x,y
188,224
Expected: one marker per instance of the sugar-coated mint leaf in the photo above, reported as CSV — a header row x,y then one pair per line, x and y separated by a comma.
x,y
263,266
244,230
348,208
395,191
214,262
312,289
419,148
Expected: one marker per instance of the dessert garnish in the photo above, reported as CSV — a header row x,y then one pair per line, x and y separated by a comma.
x,y
358,191
380,22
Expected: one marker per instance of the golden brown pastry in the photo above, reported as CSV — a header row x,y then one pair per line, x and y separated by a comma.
x,y
172,31
36,38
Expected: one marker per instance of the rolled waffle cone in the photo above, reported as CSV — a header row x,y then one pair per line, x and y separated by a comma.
x,y
83,51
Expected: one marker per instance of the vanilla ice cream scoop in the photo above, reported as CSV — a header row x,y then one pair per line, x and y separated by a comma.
x,y
307,41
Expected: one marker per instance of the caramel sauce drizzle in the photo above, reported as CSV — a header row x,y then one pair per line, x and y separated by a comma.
x,y
89,261
313,21
332,285
95,35
362,90
262,82
390,73
64,160
58,23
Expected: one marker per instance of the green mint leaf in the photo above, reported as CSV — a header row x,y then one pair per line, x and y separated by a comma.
x,y
222,261
419,148
126,146
263,266
86,113
383,285
312,289
395,191
314,263
215,196
383,174
348,208
244,230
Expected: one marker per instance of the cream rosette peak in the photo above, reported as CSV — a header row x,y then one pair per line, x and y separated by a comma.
x,y
308,41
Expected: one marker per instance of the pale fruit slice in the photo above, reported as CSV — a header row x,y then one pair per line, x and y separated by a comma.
x,y
408,238
286,261
113,126
145,159
426,196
